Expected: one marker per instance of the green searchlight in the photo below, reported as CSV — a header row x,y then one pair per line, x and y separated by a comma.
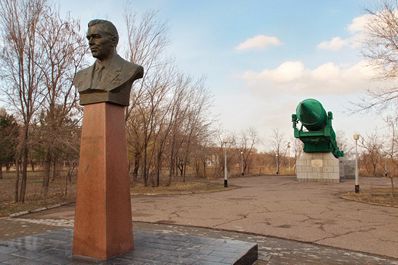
x,y
318,135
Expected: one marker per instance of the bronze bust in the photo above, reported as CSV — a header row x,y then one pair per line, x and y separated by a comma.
x,y
110,78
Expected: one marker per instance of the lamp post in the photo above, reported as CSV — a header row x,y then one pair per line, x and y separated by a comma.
x,y
225,166
241,163
288,155
356,138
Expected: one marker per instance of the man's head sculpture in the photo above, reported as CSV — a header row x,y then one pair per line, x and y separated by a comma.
x,y
102,38
110,78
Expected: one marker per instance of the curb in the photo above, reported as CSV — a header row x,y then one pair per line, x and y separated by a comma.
x,y
18,214
345,197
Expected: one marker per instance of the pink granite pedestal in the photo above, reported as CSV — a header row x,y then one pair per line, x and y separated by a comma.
x,y
103,225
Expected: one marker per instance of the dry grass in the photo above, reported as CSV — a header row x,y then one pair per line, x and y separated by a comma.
x,y
379,196
35,199
179,188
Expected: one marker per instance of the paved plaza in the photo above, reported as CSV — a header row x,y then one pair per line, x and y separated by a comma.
x,y
152,247
303,223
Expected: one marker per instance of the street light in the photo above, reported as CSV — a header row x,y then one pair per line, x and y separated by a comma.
x,y
356,138
241,163
288,154
225,166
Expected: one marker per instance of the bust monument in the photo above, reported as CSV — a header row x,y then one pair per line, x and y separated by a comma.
x,y
103,226
110,78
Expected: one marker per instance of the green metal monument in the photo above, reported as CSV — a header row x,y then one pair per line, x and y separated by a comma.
x,y
313,126
316,131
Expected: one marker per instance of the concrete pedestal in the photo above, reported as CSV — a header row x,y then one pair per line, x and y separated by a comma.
x,y
103,222
323,167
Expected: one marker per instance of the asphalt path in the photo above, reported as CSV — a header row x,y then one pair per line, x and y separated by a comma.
x,y
281,207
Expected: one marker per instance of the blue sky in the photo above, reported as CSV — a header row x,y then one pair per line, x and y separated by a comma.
x,y
262,57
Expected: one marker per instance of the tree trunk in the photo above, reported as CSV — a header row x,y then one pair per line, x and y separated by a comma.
x,y
197,168
22,192
145,172
158,168
66,184
184,167
246,170
171,166
67,178
53,169
32,165
183,172
16,198
1,170
151,174
24,151
46,176
277,167
204,169
136,167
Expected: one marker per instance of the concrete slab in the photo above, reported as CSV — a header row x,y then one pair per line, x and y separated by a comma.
x,y
151,247
271,250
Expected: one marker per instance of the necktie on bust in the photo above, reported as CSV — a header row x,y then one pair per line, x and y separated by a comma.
x,y
97,75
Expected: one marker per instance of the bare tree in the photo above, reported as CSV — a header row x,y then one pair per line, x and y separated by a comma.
x,y
381,48
247,142
154,111
147,40
21,54
278,148
201,156
64,49
196,125
298,147
165,117
372,151
390,151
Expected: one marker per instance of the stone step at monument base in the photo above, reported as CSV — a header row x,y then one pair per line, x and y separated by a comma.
x,y
55,247
323,180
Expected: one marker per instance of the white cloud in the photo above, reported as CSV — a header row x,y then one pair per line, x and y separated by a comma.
x,y
326,79
334,44
326,72
357,33
286,72
358,24
258,42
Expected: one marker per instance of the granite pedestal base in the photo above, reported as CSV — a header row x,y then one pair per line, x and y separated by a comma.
x,y
151,248
103,209
323,167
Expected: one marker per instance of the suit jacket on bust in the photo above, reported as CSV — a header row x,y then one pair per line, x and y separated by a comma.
x,y
114,87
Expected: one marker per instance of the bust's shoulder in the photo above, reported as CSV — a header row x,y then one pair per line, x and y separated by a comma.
x,y
85,70
129,67
82,78
126,64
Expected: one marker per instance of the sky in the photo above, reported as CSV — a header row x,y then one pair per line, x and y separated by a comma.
x,y
262,57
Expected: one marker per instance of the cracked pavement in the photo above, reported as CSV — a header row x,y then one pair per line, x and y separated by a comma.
x,y
277,206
